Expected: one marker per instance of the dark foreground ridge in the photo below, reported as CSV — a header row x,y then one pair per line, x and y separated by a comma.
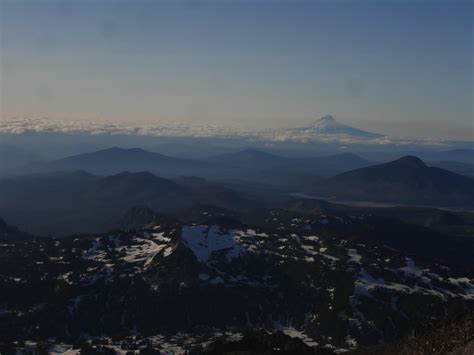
x,y
177,286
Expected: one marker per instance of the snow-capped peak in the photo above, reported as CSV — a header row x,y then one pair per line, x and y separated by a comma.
x,y
327,118
328,125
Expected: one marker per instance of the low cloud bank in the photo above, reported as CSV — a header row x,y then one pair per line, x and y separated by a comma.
x,y
14,126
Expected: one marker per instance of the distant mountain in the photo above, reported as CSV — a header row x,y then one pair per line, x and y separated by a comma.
x,y
257,165
61,175
459,155
7,230
328,125
406,180
196,150
465,156
138,183
250,157
258,159
454,166
284,170
59,205
140,217
337,162
248,165
220,194
116,160
16,160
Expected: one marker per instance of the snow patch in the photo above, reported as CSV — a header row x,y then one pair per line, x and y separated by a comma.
x,y
354,256
205,240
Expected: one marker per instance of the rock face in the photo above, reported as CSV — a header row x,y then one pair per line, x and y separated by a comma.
x,y
183,285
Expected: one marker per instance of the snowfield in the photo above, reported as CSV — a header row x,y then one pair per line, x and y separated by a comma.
x,y
204,241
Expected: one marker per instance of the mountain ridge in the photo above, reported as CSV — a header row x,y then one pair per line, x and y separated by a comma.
x,y
405,180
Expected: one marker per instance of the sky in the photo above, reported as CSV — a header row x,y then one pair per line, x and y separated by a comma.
x,y
402,68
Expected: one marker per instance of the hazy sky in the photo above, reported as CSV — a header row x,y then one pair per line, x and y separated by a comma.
x,y
399,67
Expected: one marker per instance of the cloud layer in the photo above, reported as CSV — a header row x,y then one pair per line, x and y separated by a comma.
x,y
14,126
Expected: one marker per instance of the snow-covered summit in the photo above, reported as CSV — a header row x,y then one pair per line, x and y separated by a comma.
x,y
327,118
328,125
326,128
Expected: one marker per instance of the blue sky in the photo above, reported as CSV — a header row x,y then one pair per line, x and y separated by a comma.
x,y
399,67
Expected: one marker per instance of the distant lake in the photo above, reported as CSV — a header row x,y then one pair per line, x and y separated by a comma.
x,y
333,199
310,197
